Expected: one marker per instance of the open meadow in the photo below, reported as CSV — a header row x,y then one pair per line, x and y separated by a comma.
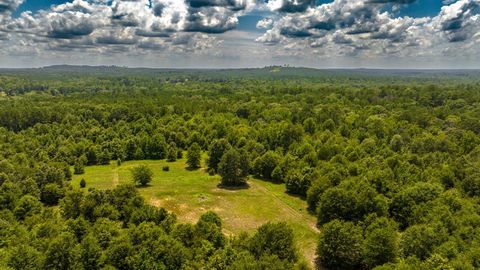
x,y
190,193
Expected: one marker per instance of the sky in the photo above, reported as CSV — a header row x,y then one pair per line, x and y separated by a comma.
x,y
241,33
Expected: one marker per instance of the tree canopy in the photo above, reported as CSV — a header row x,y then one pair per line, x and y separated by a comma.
x,y
389,161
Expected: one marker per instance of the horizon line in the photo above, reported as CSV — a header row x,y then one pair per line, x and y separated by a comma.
x,y
243,68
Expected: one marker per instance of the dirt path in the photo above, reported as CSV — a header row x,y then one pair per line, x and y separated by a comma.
x,y
309,253
115,178
311,222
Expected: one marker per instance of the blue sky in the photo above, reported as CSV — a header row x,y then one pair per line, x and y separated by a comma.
x,y
34,5
421,8
242,33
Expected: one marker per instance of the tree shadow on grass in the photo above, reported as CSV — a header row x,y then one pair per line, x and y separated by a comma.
x,y
143,186
240,187
269,180
192,168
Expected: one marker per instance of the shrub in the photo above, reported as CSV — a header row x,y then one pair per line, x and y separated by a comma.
x,y
78,168
142,175
165,168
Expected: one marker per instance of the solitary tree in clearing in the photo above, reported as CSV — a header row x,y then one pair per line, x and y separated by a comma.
x,y
83,183
194,155
142,175
233,168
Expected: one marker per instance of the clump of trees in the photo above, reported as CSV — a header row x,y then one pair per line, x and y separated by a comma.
x,y
116,229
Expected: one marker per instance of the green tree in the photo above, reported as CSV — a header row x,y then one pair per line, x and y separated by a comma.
x,y
274,239
62,253
9,194
25,257
340,245
104,157
119,252
309,125
396,143
381,242
216,152
27,206
79,167
71,204
337,203
209,227
263,166
83,183
142,175
404,201
233,168
90,253
471,184
316,190
52,193
420,240
172,153
194,155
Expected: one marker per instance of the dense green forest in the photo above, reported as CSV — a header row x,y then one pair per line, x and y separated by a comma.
x,y
388,162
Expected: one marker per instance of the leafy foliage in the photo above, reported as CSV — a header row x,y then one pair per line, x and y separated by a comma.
x,y
194,156
234,168
387,160
142,175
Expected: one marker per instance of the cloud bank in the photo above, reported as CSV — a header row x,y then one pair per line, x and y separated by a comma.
x,y
290,29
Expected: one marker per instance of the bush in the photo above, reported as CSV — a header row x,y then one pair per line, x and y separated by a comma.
x,y
165,168
142,175
78,168
172,153
83,183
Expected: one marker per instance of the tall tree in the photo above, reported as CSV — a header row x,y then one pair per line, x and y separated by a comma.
x,y
233,168
194,156
216,152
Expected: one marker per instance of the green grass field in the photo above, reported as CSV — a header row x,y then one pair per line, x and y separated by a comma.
x,y
190,193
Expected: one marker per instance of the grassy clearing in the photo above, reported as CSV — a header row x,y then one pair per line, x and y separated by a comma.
x,y
191,193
